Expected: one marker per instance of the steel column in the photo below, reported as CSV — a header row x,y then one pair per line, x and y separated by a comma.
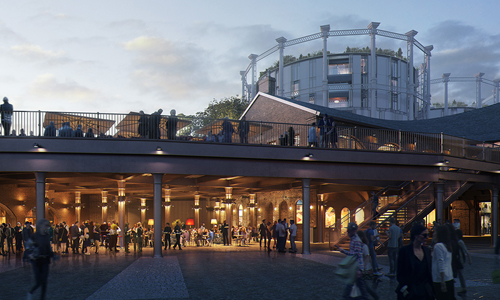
x,y
306,238
40,195
157,181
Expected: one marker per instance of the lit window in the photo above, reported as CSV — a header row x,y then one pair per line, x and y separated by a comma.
x,y
311,98
338,69
295,89
334,102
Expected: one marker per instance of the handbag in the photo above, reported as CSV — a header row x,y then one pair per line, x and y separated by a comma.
x,y
347,270
355,292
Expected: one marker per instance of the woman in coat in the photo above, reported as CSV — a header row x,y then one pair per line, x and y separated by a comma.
x,y
414,271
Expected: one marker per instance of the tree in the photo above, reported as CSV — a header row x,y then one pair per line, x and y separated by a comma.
x,y
231,107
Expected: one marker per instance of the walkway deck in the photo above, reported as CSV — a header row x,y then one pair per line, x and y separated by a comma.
x,y
217,272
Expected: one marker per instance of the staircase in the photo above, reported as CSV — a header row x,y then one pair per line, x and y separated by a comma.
x,y
416,208
404,191
416,200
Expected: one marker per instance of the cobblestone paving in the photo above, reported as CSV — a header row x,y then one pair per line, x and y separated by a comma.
x,y
217,272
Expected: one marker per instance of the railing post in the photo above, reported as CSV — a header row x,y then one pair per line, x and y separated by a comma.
x,y
399,140
463,146
39,123
442,143
349,131
484,156
355,136
98,127
260,135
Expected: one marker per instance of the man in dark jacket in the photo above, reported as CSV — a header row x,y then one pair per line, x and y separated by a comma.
x,y
7,109
167,231
75,235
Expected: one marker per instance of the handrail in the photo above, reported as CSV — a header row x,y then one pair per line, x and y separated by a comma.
x,y
338,223
125,126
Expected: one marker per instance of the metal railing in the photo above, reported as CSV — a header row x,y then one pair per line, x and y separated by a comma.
x,y
136,126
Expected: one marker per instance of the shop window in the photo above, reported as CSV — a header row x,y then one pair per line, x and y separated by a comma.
x,y
330,217
240,215
299,211
344,214
359,216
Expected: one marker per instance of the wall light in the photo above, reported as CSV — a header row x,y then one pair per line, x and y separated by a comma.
x,y
36,145
158,148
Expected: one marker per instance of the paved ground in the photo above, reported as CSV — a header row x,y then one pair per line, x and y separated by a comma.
x,y
215,273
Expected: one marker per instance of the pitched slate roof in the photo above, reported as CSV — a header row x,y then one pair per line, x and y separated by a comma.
x,y
480,125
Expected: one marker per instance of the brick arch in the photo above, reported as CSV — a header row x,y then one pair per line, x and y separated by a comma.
x,y
283,210
269,213
10,213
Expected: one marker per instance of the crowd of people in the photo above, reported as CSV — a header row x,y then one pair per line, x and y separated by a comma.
x,y
423,272
327,135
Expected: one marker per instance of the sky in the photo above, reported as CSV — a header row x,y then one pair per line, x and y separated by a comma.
x,y
120,56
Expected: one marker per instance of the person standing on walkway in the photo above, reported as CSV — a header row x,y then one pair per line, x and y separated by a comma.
x,y
167,231
41,257
293,234
9,235
321,126
18,236
171,125
140,232
442,273
263,233
370,235
312,139
356,250
225,237
7,110
392,246
464,257
280,229
177,231
75,234
126,240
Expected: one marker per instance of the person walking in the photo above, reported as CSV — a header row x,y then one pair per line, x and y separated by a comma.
x,y
167,231
464,257
392,246
374,204
414,269
370,235
177,231
356,250
40,258
442,273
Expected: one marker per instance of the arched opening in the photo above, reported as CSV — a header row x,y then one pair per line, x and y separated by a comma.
x,y
240,215
6,215
359,216
283,210
330,217
269,213
344,214
299,206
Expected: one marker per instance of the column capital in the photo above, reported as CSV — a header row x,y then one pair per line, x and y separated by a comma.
x,y
252,57
479,75
325,29
497,81
429,49
373,26
281,40
411,33
446,77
